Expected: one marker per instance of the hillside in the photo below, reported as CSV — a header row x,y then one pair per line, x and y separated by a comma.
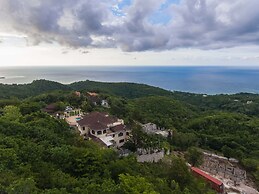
x,y
245,103
226,124
27,90
127,90
164,111
41,154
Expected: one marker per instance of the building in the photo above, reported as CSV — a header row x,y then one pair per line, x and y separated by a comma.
x,y
151,128
105,103
109,129
51,109
69,112
249,102
92,94
78,94
93,98
119,134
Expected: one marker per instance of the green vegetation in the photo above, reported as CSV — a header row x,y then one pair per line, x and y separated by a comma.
x,y
40,154
126,90
164,111
28,90
194,156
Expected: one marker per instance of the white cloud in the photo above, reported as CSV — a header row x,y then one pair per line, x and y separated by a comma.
x,y
202,24
205,32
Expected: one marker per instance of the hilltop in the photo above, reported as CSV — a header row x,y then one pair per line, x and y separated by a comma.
x,y
224,124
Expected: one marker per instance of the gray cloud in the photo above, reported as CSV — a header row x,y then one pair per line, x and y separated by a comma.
x,y
204,24
215,24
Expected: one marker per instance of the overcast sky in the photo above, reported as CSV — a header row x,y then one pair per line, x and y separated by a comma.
x,y
129,32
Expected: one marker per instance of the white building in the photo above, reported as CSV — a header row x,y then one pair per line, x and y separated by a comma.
x,y
69,111
105,103
110,130
151,128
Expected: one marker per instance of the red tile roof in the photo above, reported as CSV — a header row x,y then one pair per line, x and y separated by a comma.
x,y
207,176
97,120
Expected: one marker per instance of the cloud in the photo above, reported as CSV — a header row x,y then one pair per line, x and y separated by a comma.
x,y
212,24
67,22
203,24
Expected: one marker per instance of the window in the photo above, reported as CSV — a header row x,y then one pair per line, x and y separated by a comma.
x,y
113,135
83,128
93,132
104,131
121,141
127,133
99,132
120,134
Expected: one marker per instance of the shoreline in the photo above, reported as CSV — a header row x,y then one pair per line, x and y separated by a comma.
x,y
125,82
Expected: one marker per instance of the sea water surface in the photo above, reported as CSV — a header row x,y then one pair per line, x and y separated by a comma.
x,y
206,80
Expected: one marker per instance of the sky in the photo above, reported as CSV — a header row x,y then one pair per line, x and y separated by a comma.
x,y
129,32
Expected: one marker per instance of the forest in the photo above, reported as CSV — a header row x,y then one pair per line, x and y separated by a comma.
x,y
40,154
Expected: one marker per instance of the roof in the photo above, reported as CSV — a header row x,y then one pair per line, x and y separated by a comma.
x,y
107,140
97,120
77,93
68,108
97,140
207,176
118,128
51,108
92,94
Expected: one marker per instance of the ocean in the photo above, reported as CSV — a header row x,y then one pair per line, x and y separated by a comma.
x,y
206,80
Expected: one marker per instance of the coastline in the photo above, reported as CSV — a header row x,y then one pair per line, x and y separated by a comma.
x,y
194,79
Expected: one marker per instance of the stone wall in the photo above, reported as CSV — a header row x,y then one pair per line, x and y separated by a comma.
x,y
147,155
223,168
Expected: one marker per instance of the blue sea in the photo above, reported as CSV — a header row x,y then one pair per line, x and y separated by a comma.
x,y
206,80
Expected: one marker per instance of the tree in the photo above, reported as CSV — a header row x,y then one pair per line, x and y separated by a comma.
x,y
194,156
11,113
8,158
251,164
179,172
28,108
184,140
135,185
227,151
23,186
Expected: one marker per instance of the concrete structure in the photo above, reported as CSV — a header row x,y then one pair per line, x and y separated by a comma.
x,y
148,155
72,121
105,103
224,167
151,128
69,112
108,141
110,130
